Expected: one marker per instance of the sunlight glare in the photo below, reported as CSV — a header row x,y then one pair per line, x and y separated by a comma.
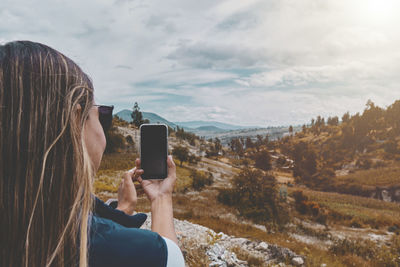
x,y
380,10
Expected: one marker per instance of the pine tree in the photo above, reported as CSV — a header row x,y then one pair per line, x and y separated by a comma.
x,y
291,130
137,117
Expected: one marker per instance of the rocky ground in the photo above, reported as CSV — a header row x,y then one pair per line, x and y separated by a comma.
x,y
219,247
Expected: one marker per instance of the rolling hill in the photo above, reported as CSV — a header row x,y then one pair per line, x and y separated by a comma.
x,y
152,117
218,125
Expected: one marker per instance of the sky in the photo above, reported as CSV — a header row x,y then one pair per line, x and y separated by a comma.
x,y
244,62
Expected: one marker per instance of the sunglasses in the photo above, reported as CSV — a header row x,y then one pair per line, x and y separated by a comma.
x,y
105,116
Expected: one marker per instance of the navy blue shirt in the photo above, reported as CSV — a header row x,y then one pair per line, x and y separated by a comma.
x,y
112,244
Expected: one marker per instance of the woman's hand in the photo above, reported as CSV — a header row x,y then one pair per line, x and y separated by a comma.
x,y
127,196
159,188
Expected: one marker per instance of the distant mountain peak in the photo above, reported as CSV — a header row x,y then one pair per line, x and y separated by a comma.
x,y
220,125
125,114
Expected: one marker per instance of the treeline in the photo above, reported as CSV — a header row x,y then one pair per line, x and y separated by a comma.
x,y
358,132
327,145
181,134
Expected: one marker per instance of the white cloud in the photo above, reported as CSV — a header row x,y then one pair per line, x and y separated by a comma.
x,y
248,62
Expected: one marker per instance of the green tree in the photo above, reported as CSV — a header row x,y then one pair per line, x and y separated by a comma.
x,y
137,117
217,145
237,146
346,117
255,196
334,121
263,160
291,130
249,143
305,162
200,179
181,153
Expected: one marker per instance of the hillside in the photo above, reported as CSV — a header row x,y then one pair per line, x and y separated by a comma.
x,y
152,117
338,230
358,155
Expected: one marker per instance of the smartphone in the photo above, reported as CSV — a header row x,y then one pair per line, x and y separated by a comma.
x,y
154,150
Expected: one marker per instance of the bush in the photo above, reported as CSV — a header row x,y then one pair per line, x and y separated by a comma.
x,y
227,196
115,141
181,134
181,153
281,161
193,159
255,196
200,179
304,206
354,223
299,201
364,164
117,121
263,160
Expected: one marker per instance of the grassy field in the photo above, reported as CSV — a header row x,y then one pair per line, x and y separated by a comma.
x,y
347,208
113,165
388,176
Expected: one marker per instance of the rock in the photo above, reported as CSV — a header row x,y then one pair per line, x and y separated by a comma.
x,y
262,246
220,256
323,265
297,261
386,196
217,247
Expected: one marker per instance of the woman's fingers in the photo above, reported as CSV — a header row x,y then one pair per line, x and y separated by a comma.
x,y
137,173
137,162
171,165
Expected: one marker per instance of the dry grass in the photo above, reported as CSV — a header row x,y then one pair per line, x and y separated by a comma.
x,y
194,257
346,208
114,164
183,180
117,162
375,177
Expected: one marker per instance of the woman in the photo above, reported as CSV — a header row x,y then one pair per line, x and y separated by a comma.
x,y
51,145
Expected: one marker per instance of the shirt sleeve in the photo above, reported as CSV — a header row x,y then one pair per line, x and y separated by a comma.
x,y
104,210
175,256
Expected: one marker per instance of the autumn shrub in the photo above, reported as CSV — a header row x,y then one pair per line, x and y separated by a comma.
x,y
307,207
193,159
115,141
255,196
364,163
200,179
355,223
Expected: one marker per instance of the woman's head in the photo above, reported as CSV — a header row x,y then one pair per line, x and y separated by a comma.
x,y
45,169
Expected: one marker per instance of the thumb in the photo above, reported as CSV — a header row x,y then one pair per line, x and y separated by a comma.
x,y
171,165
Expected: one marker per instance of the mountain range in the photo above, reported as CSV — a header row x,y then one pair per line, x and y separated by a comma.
x,y
212,129
192,126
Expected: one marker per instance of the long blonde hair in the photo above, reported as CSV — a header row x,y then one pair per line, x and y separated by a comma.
x,y
45,171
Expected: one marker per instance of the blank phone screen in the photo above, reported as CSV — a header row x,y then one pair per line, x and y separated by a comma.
x,y
153,151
